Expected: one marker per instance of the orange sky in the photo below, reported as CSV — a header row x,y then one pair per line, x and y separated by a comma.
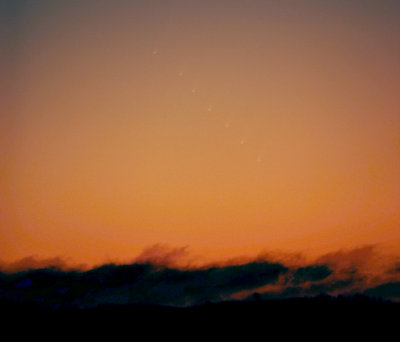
x,y
230,127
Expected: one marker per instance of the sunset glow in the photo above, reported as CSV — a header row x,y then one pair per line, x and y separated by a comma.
x,y
231,128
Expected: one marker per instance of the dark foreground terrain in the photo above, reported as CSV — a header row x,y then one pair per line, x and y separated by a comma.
x,y
319,319
317,310
152,298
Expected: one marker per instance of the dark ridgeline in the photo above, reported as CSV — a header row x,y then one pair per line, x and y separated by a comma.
x,y
321,311
143,294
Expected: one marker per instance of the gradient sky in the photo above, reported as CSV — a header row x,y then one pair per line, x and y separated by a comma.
x,y
230,127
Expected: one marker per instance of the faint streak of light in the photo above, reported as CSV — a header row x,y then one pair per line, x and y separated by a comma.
x,y
155,52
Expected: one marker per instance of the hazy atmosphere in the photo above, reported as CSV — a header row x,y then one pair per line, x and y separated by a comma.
x,y
212,130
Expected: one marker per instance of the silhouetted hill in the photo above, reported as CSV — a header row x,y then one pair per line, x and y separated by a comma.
x,y
315,309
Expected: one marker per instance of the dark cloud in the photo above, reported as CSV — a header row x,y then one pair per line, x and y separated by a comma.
x,y
345,272
137,283
311,273
155,278
387,291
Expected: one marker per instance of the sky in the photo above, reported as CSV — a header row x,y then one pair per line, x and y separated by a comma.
x,y
229,128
